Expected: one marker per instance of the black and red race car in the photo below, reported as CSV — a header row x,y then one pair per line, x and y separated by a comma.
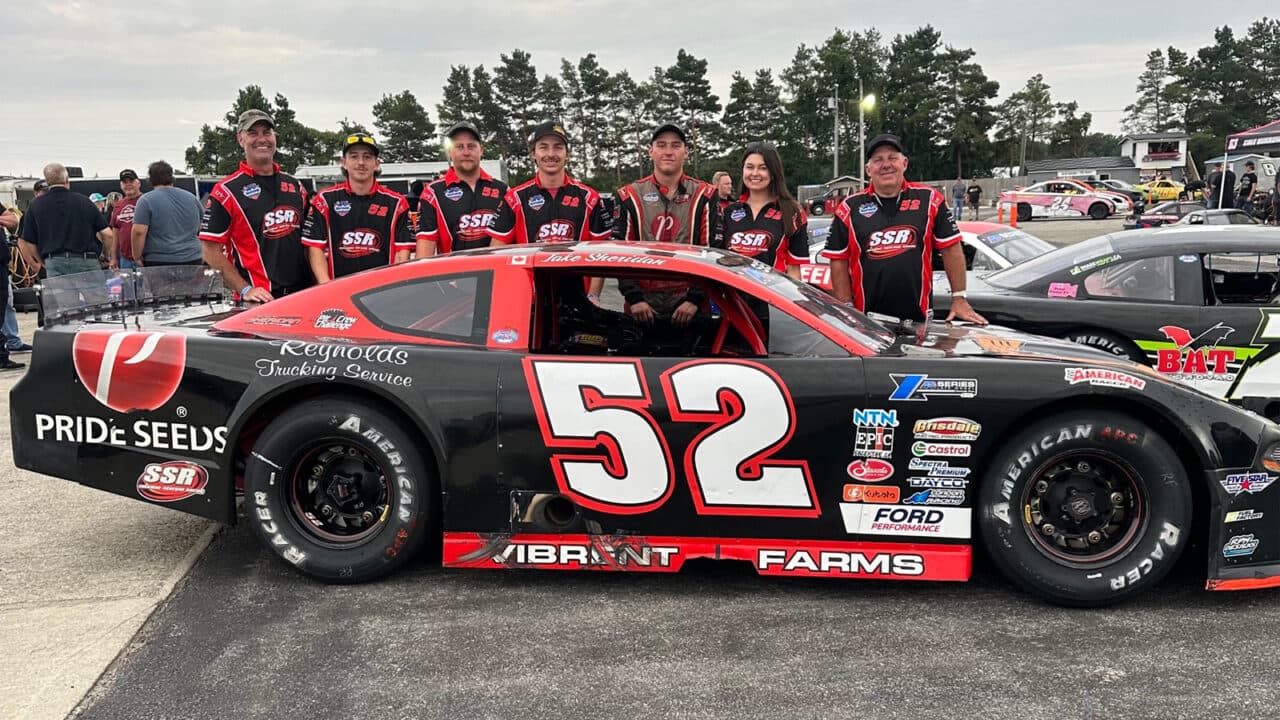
x,y
478,404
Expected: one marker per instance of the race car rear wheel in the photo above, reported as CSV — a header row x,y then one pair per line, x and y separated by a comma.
x,y
1107,342
1086,508
335,488
1099,211
1024,212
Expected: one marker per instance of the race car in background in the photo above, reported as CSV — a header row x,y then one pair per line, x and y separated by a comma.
x,y
1196,303
1165,213
1160,190
1140,198
1062,199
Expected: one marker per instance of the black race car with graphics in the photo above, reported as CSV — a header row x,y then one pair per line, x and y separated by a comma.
x,y
1199,304
477,404
1166,213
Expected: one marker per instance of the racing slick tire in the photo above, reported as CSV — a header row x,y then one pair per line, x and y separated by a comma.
x,y
1107,342
338,490
1024,212
1085,508
1099,211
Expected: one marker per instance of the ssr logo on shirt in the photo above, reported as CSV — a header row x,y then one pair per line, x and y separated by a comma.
x,y
750,242
556,231
281,222
473,225
891,242
358,243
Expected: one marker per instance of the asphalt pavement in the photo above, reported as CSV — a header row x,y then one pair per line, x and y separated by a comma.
x,y
85,581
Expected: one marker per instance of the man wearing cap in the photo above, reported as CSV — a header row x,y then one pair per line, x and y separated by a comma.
x,y
252,225
455,212
882,241
121,222
667,206
359,224
63,231
552,207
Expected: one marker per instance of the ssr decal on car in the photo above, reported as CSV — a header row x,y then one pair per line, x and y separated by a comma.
x,y
172,481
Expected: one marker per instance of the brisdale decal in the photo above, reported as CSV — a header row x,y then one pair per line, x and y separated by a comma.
x,y
1103,378
944,483
887,494
947,428
1243,515
172,481
1252,483
873,433
1240,546
869,470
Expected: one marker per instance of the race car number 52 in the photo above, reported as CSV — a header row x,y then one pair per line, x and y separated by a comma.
x,y
583,406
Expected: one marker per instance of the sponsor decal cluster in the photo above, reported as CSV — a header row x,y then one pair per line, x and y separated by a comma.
x,y
172,481
1240,546
907,520
923,387
1243,515
335,319
307,359
1103,378
1252,483
1197,357
873,433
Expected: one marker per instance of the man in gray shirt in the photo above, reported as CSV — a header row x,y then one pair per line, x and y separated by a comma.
x,y
166,222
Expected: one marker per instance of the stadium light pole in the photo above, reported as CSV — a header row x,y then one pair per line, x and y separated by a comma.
x,y
833,102
866,103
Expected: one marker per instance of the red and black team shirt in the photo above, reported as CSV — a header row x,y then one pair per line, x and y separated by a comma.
x,y
454,216
259,219
531,213
891,259
359,231
762,237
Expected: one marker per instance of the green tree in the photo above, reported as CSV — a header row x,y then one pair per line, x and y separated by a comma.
x,y
516,92
913,98
458,97
1070,134
967,116
216,151
736,122
1150,111
697,107
407,133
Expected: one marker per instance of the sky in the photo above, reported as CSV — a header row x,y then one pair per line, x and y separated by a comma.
x,y
107,85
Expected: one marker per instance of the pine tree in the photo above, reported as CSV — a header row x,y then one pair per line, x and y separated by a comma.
x,y
407,133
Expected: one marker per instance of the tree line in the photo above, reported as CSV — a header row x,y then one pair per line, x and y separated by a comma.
x,y
936,96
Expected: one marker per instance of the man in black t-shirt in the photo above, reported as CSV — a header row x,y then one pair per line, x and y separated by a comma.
x,y
882,240
974,192
63,231
1221,185
1248,186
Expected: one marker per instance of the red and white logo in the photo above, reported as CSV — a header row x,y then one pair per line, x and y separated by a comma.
x,y
750,242
871,470
172,481
889,243
127,370
472,226
281,222
358,243
556,231
819,275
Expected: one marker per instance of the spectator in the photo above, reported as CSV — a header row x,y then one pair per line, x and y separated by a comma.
x,y
12,340
8,221
121,222
1248,186
957,199
1221,182
166,223
975,197
100,202
65,229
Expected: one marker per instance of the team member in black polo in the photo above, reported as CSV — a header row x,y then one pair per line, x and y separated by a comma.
x,y
359,223
455,211
62,230
767,224
252,226
552,207
882,239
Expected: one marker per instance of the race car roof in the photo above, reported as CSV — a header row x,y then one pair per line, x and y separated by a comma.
x,y
1175,239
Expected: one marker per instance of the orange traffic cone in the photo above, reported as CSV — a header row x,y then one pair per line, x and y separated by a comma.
x,y
1000,213
1013,216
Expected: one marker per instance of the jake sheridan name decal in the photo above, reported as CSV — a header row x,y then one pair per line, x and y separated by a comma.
x,y
334,361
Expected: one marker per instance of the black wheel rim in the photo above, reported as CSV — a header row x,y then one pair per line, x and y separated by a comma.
x,y
339,493
1083,508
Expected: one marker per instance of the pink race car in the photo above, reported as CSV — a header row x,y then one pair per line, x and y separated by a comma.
x,y
1063,198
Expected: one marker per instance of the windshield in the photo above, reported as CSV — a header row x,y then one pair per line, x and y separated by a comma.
x,y
1015,245
1094,252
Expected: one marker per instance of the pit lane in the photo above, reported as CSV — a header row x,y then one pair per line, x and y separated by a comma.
x,y
244,637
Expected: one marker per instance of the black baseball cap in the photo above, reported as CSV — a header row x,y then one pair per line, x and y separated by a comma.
x,y
360,139
892,141
128,174
463,126
669,127
548,128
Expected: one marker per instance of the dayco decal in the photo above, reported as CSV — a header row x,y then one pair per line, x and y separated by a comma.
x,y
1105,378
922,387
1240,546
887,494
922,448
327,365
1243,515
937,482
947,428
172,481
832,561
873,433
149,434
938,468
1247,483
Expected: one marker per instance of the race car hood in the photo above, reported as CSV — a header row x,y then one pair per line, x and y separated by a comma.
x,y
942,339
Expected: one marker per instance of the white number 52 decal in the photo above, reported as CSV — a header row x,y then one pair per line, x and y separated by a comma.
x,y
613,456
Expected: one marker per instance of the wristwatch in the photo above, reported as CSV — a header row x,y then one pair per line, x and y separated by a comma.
x,y
960,293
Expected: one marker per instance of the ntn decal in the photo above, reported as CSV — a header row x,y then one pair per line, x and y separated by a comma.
x,y
633,553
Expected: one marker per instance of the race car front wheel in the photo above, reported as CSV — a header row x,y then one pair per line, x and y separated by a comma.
x,y
1085,508
1098,211
1024,212
1107,342
335,488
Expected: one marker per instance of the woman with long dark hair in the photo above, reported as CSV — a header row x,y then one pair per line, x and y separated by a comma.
x,y
766,223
